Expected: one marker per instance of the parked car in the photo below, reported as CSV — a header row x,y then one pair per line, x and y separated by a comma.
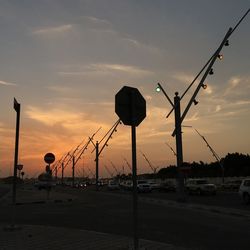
x,y
126,185
113,185
231,185
42,184
167,187
244,190
200,186
143,186
154,185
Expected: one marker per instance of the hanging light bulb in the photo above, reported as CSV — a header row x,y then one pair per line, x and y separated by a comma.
x,y
211,72
226,43
220,56
204,86
158,89
195,102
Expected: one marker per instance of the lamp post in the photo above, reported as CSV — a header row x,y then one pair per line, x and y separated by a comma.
x,y
177,103
178,137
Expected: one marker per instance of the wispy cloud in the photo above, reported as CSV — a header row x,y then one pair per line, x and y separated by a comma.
x,y
53,116
105,68
53,30
217,108
183,77
72,121
232,84
97,20
243,102
7,83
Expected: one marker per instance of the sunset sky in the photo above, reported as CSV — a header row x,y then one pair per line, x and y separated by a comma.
x,y
64,61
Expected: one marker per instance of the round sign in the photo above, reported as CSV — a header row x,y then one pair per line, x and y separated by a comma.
x,y
19,167
49,158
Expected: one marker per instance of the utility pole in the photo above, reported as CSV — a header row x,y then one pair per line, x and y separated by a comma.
x,y
99,151
179,152
17,107
97,165
62,172
176,105
73,172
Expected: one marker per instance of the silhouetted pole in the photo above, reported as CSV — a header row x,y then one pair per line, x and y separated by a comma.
x,y
56,172
179,152
97,165
73,172
135,195
17,108
62,172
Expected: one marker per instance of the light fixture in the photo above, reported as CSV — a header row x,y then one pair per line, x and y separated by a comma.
x,y
204,86
158,89
226,43
195,102
211,72
220,56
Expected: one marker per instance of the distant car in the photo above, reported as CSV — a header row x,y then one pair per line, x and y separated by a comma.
x,y
167,187
154,185
232,185
113,185
143,186
200,186
44,184
244,190
126,185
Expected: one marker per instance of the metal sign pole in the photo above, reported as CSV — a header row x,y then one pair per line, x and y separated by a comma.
x,y
134,171
13,227
135,195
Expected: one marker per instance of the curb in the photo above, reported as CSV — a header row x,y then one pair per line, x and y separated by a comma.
x,y
44,202
212,209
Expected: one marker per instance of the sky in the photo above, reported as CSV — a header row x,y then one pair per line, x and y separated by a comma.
x,y
64,61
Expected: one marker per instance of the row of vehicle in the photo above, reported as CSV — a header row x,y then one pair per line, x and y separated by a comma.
x,y
201,186
192,186
142,186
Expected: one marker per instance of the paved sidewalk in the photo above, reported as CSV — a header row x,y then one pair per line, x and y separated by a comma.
x,y
56,238
32,195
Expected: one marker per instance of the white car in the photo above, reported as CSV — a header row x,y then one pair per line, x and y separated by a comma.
x,y
200,186
143,186
244,190
113,185
154,185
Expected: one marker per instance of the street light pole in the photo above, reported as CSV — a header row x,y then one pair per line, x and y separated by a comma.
x,y
17,108
179,152
73,171
97,165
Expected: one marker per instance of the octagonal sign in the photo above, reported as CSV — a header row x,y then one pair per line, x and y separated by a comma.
x,y
130,106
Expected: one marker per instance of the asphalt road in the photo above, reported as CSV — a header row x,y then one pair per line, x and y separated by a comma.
x,y
224,199
112,213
